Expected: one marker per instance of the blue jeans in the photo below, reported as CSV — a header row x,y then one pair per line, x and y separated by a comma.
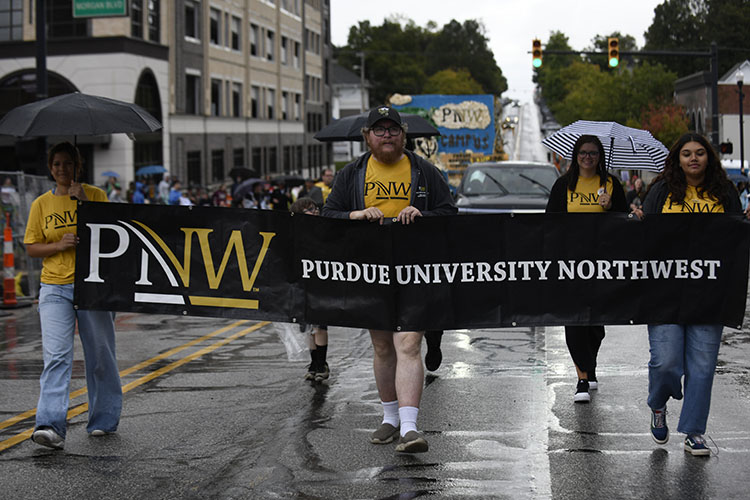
x,y
689,350
97,332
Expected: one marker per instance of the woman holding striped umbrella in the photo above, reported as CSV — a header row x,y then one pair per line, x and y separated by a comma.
x,y
586,187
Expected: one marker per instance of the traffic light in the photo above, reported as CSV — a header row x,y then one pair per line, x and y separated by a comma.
x,y
536,53
726,148
613,52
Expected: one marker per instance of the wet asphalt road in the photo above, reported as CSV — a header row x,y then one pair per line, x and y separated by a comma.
x,y
238,421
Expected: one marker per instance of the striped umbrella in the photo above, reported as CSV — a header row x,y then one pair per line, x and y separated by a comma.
x,y
624,147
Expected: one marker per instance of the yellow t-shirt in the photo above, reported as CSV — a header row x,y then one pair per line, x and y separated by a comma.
x,y
693,203
52,216
586,196
388,187
325,189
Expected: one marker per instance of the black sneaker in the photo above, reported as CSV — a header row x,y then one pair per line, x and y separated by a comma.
x,y
593,383
434,355
310,375
582,392
322,373
696,446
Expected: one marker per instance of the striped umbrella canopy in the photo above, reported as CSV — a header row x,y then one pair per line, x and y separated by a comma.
x,y
624,147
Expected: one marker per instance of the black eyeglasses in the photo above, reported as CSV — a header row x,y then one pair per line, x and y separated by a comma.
x,y
380,131
590,154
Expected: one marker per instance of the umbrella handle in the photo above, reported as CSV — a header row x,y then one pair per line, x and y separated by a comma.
x,y
611,150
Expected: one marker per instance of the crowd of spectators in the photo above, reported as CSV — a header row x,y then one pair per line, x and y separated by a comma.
x,y
267,194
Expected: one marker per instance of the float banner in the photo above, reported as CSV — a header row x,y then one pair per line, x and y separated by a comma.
x,y
470,271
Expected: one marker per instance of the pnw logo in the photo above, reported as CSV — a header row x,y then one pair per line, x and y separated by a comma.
x,y
178,274
388,190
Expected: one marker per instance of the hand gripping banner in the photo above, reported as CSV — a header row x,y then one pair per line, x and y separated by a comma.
x,y
475,271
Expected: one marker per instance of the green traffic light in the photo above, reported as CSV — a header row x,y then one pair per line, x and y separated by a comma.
x,y
613,62
537,63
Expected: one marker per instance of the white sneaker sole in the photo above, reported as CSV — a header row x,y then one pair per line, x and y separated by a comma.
x,y
582,397
593,385
43,439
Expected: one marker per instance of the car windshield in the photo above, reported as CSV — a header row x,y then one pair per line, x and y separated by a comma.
x,y
493,180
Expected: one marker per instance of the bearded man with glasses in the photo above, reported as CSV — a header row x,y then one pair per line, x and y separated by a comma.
x,y
386,184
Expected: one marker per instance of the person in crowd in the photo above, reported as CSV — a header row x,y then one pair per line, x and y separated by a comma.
x,y
202,199
164,190
56,244
279,197
220,198
318,369
115,196
175,193
634,197
325,183
586,187
742,188
310,190
692,181
110,185
257,197
138,197
397,361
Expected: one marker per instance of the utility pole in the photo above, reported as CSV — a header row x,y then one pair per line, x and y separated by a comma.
x,y
363,104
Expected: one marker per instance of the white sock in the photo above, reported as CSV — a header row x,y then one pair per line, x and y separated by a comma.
x,y
390,412
408,415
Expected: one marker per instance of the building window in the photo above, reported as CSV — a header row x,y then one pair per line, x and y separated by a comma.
x,y
272,160
192,16
215,97
62,24
236,23
254,39
154,20
284,104
217,165
136,18
270,102
297,107
284,50
236,99
257,160
270,37
194,168
215,31
254,101
238,157
192,94
11,20
296,54
298,159
287,159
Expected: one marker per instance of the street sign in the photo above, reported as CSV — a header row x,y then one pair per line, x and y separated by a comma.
x,y
100,8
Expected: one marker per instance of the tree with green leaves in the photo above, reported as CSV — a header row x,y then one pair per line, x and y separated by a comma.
x,y
401,57
453,82
691,25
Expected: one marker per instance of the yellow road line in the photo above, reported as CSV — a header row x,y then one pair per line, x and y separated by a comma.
x,y
73,412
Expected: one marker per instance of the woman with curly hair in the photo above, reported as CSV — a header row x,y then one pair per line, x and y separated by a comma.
x,y
586,187
693,181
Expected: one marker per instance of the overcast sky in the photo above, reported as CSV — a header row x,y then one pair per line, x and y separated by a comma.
x,y
510,25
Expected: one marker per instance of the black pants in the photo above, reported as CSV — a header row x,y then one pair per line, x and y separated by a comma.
x,y
583,345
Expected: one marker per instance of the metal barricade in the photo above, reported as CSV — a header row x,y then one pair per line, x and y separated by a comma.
x,y
17,191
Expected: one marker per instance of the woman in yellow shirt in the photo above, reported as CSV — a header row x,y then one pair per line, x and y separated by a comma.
x,y
693,181
51,235
586,187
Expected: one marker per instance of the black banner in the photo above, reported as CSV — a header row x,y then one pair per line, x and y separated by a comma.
x,y
439,273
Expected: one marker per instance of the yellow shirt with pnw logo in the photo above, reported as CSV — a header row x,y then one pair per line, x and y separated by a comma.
x,y
388,187
50,217
586,196
693,203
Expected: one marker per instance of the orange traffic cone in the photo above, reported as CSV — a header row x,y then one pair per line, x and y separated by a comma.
x,y
9,266
9,269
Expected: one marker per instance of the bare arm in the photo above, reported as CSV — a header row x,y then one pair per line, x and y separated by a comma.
x,y
41,250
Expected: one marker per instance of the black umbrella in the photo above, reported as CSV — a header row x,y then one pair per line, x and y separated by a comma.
x,y
77,114
245,187
350,128
242,172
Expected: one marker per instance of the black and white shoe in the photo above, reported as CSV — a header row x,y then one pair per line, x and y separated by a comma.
x,y
582,392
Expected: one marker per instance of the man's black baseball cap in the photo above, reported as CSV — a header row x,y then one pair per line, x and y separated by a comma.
x,y
382,113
